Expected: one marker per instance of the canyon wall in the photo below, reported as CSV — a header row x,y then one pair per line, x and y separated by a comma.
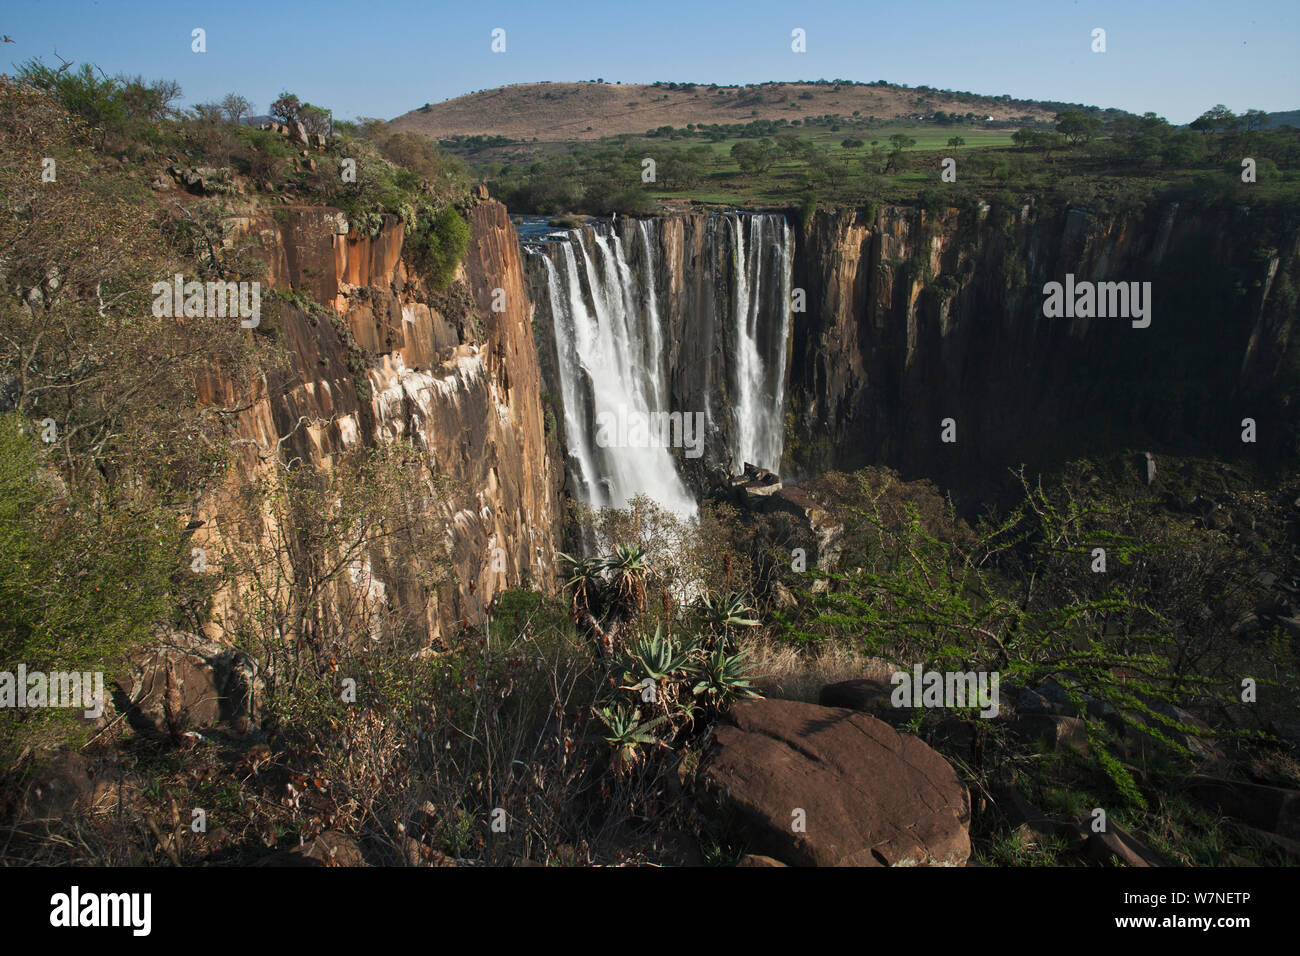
x,y
388,358
914,317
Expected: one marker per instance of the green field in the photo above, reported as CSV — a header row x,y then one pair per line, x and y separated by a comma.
x,y
1112,167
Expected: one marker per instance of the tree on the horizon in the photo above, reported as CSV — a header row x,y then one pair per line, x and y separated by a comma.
x,y
286,108
235,107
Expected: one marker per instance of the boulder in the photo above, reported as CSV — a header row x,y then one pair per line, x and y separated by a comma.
x,y
1199,741
200,180
1031,826
186,683
827,786
753,859
331,848
867,696
1060,733
56,788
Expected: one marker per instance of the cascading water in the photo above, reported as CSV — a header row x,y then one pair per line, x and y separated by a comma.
x,y
759,367
615,343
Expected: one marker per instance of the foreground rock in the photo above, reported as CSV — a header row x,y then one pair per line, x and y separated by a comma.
x,y
186,683
866,794
331,848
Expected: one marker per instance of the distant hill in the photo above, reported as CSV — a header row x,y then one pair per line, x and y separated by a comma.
x,y
585,111
1287,118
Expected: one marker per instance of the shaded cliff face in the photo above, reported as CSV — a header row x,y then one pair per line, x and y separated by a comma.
x,y
458,379
913,318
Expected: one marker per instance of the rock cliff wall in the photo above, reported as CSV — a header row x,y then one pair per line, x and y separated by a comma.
x,y
392,359
915,317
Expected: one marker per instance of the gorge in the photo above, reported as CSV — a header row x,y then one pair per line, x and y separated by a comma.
x,y
912,316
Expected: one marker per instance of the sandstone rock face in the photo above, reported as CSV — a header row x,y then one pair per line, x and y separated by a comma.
x,y
870,796
464,387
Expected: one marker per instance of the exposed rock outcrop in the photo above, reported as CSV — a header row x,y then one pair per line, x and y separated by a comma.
x,y
457,378
826,786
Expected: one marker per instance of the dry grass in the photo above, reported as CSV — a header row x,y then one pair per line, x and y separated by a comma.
x,y
794,673
564,112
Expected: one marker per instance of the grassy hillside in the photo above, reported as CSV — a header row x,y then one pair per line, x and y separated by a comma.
x,y
568,112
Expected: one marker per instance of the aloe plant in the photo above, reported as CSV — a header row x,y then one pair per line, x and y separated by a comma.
x,y
627,732
724,677
627,570
662,657
584,578
724,612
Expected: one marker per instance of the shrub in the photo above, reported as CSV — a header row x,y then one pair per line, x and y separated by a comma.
x,y
438,244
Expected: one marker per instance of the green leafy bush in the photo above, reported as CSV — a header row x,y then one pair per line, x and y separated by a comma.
x,y
438,244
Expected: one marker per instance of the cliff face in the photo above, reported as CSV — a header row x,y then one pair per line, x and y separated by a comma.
x,y
915,317
446,371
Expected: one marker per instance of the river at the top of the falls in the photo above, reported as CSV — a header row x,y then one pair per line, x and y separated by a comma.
x,y
618,355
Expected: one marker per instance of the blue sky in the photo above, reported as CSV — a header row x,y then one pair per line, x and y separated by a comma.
x,y
378,58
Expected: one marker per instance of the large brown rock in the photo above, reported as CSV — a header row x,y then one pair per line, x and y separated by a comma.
x,y
186,683
870,796
174,686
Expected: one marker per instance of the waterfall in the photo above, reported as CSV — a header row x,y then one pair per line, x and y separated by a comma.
x,y
636,372
759,367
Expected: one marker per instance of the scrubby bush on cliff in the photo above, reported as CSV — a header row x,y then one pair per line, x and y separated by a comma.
x,y
437,244
113,108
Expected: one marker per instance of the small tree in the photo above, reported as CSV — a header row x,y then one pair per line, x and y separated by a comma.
x,y
208,112
1077,127
286,108
315,119
235,107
